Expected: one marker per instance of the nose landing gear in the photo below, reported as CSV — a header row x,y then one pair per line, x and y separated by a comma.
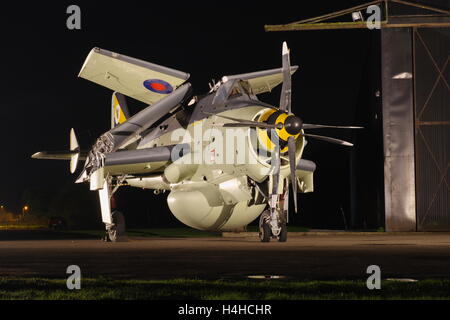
x,y
273,225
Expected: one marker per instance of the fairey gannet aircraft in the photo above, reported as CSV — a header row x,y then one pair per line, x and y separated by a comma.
x,y
224,156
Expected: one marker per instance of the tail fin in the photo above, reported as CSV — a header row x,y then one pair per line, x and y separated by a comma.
x,y
119,109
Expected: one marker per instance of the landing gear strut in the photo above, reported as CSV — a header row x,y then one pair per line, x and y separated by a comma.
x,y
114,219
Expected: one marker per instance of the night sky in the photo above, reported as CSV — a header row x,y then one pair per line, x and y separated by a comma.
x,y
42,97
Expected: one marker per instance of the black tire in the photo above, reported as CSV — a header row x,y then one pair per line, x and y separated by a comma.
x,y
283,234
265,232
116,231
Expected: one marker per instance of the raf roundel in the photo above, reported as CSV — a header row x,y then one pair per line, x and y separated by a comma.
x,y
158,86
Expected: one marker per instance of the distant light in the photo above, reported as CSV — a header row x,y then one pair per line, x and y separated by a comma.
x,y
25,208
403,75
357,16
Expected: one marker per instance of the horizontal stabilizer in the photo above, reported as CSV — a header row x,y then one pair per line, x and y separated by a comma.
x,y
58,155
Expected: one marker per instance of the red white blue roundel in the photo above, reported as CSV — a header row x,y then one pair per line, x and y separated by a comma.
x,y
158,86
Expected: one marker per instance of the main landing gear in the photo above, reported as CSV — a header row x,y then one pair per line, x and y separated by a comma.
x,y
115,232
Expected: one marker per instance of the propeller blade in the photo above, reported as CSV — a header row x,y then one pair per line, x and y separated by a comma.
x,y
328,139
319,126
275,165
285,98
75,148
293,165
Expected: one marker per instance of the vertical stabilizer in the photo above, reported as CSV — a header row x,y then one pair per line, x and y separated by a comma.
x,y
119,109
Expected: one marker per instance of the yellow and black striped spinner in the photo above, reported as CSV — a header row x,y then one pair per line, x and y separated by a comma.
x,y
275,117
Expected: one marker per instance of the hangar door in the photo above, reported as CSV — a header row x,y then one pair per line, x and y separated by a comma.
x,y
432,127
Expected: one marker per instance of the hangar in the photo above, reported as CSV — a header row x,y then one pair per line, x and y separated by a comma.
x,y
409,90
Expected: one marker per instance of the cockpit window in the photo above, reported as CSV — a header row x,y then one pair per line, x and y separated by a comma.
x,y
223,92
246,87
231,89
236,91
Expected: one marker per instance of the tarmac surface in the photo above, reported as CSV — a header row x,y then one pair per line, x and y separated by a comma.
x,y
304,257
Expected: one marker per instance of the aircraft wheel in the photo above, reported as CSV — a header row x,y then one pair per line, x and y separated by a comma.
x,y
116,231
265,232
283,234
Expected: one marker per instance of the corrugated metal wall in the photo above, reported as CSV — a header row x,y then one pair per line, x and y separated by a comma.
x,y
432,127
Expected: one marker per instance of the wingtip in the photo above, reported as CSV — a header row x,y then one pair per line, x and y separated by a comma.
x,y
93,50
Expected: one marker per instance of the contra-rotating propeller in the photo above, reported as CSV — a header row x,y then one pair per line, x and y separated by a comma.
x,y
283,130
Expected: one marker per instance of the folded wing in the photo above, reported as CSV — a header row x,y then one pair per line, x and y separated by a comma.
x,y
261,81
138,79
